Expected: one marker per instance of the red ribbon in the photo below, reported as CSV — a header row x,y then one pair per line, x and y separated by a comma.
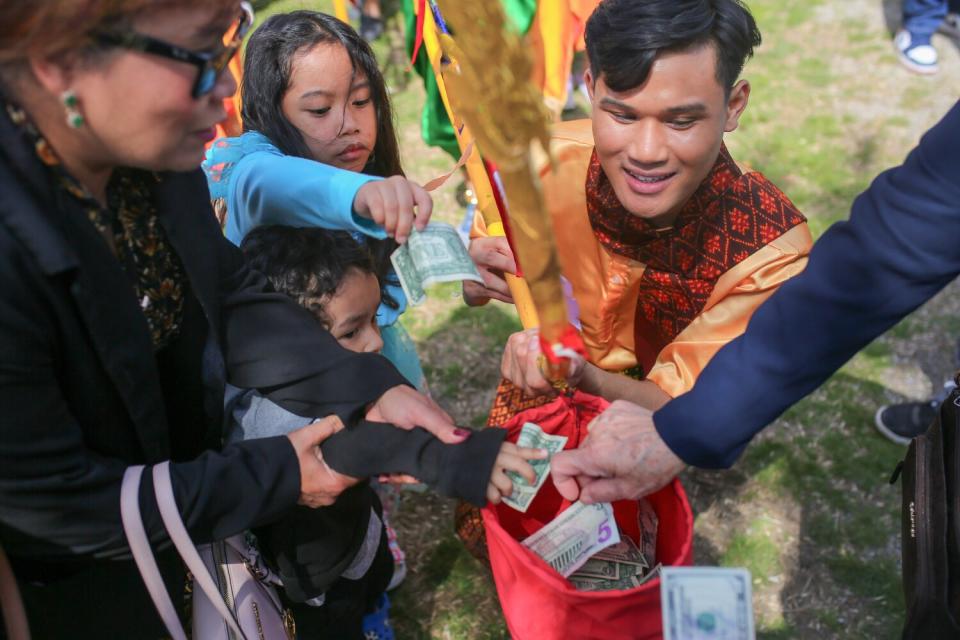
x,y
418,38
498,197
569,339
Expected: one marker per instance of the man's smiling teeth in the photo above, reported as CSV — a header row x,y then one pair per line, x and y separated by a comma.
x,y
647,179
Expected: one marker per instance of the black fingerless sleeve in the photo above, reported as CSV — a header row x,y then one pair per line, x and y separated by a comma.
x,y
454,470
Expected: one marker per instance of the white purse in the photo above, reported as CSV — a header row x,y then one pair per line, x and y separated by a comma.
x,y
233,598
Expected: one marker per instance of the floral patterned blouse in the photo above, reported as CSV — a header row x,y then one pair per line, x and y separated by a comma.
x,y
129,224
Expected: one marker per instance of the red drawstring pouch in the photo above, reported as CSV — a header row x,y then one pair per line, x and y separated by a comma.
x,y
539,603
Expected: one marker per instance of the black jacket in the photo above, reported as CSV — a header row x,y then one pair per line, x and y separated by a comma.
x,y
83,396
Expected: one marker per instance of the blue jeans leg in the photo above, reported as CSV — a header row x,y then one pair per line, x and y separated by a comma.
x,y
922,17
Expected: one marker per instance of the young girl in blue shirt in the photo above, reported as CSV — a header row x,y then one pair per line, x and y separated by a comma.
x,y
320,149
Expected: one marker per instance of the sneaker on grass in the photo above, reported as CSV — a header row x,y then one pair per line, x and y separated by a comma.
x,y
916,54
903,422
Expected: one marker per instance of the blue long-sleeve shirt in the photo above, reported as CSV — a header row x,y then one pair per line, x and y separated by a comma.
x,y
900,247
261,186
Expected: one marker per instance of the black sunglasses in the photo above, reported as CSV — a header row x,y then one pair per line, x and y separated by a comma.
x,y
209,64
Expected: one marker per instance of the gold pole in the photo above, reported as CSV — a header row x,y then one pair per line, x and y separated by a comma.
x,y
477,172
489,78
340,10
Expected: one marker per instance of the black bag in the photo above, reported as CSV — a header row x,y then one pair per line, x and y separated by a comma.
x,y
931,527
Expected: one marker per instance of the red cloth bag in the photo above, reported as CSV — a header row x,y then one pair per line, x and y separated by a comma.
x,y
540,604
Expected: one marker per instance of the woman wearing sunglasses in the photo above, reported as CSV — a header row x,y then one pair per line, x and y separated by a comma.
x,y
123,310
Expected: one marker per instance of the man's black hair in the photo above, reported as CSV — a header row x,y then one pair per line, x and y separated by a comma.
x,y
624,37
309,264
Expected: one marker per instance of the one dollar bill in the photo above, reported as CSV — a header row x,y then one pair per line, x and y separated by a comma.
x,y
532,436
706,603
580,531
433,255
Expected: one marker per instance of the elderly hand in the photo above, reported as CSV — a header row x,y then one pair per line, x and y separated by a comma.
x,y
396,204
319,484
406,408
493,258
521,364
623,457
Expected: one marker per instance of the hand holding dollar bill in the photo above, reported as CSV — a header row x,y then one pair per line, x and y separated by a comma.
x,y
433,255
580,531
532,436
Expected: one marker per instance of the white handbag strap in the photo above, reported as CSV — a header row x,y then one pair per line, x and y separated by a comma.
x,y
181,539
143,554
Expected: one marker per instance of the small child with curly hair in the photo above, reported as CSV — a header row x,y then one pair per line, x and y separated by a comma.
x,y
338,556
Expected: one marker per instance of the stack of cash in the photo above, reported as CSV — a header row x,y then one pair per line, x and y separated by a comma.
x,y
647,522
574,536
624,565
621,566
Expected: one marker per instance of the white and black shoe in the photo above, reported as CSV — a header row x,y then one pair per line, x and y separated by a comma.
x,y
903,422
915,54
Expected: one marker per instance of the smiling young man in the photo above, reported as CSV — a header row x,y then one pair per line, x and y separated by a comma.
x,y
668,245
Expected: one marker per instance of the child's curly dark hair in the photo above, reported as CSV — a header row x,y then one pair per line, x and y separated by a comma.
x,y
309,264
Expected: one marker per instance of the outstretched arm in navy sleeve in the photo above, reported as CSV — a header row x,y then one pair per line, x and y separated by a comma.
x,y
898,249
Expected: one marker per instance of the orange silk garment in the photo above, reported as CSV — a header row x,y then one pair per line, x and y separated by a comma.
x,y
606,285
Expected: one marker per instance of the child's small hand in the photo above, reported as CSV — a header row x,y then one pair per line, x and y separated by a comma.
x,y
396,204
512,458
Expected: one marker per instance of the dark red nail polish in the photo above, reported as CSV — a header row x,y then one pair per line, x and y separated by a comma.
x,y
463,433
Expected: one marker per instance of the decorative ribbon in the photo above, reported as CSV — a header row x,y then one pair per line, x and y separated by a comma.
x,y
437,182
501,199
418,39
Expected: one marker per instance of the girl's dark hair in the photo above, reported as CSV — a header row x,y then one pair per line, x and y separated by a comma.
x,y
266,78
267,67
308,264
624,37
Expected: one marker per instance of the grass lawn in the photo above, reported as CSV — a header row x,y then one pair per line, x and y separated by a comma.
x,y
807,509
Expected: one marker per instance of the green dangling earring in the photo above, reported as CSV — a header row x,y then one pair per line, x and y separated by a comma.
x,y
70,104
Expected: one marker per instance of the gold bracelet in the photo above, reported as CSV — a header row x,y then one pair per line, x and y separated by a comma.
x,y
560,386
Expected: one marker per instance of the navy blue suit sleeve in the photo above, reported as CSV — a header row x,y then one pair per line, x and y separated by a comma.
x,y
900,247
